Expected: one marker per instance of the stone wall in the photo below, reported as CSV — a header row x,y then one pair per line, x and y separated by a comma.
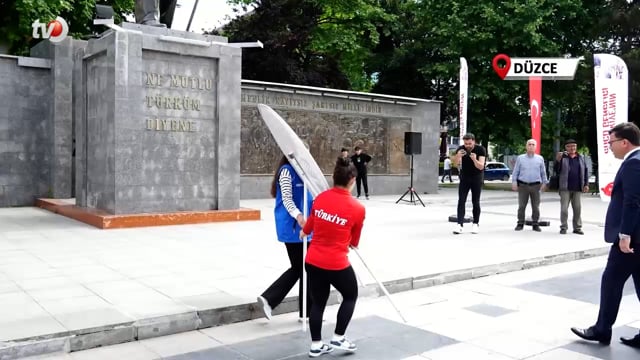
x,y
119,123
328,120
25,142
161,121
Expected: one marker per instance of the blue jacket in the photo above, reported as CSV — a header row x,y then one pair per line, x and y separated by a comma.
x,y
623,214
287,228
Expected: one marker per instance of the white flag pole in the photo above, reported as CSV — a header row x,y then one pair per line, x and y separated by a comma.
x,y
305,207
462,106
384,290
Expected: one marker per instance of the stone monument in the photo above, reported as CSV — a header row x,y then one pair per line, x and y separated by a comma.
x,y
155,12
157,122
148,12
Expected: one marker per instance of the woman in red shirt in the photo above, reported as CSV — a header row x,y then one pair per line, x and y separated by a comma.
x,y
336,220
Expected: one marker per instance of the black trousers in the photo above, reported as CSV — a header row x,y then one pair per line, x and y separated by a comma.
x,y
362,179
473,183
445,174
321,280
281,287
619,267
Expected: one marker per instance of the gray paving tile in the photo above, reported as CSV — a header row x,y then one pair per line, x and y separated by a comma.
x,y
617,350
583,286
489,310
217,353
376,337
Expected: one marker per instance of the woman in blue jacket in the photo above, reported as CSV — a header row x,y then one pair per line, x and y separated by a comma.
x,y
288,190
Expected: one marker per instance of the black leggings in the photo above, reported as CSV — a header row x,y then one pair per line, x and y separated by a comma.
x,y
473,183
320,281
281,287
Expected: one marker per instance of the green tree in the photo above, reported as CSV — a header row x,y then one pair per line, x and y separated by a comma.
x,y
422,58
18,15
309,42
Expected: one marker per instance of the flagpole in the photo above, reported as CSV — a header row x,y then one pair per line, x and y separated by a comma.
x,y
305,207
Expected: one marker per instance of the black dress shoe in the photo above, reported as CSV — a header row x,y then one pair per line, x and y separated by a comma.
x,y
591,335
634,342
563,231
579,232
536,228
519,227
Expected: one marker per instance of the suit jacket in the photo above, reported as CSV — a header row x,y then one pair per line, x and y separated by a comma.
x,y
623,214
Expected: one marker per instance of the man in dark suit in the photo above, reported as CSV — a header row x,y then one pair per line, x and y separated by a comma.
x,y
622,229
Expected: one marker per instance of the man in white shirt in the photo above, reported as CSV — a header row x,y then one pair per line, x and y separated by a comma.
x,y
447,169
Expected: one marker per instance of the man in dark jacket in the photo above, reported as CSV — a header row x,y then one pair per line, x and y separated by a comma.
x,y
573,180
360,160
622,230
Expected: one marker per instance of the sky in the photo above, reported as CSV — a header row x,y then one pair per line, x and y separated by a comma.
x,y
209,14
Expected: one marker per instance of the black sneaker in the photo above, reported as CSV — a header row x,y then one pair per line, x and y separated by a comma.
x,y
324,349
563,231
579,232
519,227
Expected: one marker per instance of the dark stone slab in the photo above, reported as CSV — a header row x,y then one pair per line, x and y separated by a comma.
x,y
617,350
217,353
583,286
377,339
489,310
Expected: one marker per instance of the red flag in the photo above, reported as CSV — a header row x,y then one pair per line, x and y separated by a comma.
x,y
535,105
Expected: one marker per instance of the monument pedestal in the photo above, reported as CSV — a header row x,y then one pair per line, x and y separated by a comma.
x,y
103,220
157,122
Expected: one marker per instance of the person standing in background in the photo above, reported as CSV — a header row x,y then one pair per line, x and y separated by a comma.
x,y
344,153
361,160
470,158
529,178
573,180
446,170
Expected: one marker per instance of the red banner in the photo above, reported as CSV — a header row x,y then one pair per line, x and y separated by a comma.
x,y
535,106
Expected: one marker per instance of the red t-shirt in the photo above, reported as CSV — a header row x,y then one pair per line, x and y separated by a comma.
x,y
336,220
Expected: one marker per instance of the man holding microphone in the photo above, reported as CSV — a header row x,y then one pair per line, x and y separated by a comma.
x,y
470,158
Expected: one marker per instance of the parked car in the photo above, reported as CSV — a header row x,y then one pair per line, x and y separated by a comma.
x,y
496,171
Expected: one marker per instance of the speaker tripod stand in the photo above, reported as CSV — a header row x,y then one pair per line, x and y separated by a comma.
x,y
413,195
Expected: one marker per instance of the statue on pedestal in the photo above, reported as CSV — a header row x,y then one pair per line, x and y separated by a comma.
x,y
155,12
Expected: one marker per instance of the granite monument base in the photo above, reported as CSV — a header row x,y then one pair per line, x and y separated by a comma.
x,y
103,220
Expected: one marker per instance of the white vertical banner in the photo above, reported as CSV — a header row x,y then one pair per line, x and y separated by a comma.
x,y
462,108
611,80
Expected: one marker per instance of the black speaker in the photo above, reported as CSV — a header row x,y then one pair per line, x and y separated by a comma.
x,y
412,143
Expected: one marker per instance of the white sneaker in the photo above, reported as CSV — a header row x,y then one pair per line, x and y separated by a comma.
x,y
457,229
475,229
264,305
324,349
344,344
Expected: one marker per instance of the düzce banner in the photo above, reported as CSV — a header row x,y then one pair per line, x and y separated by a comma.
x,y
611,79
464,84
535,107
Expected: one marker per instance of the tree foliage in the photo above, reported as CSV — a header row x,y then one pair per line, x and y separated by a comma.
x,y
478,30
412,48
310,42
18,15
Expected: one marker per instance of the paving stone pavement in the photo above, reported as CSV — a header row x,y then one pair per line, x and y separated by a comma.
x,y
511,316
61,277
